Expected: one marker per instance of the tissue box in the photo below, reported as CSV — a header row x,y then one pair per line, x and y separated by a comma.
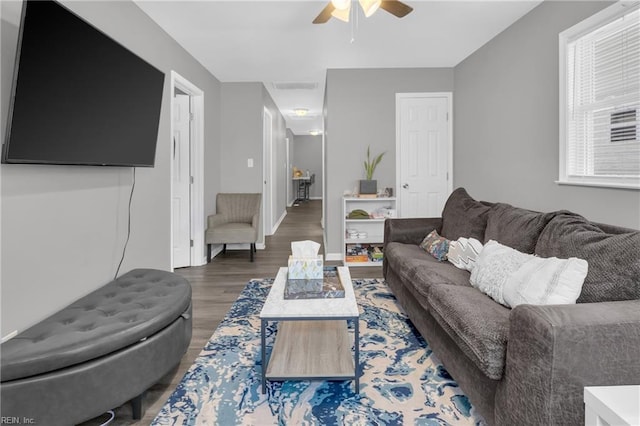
x,y
305,268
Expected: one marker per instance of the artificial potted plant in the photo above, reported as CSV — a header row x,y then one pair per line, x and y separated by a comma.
x,y
369,185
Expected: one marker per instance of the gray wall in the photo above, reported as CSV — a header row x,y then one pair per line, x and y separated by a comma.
x,y
63,228
360,112
243,107
241,137
506,121
307,155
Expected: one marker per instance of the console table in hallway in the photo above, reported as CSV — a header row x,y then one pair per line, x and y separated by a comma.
x,y
302,185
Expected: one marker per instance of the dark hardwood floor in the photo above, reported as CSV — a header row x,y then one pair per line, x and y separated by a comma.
x,y
217,285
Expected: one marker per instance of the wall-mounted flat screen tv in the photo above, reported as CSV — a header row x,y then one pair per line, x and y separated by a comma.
x,y
78,96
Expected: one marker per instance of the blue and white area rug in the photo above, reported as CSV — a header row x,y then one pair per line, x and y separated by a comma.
x,y
402,382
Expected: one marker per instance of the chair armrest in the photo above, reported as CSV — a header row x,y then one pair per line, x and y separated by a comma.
x,y
255,220
410,230
215,220
554,351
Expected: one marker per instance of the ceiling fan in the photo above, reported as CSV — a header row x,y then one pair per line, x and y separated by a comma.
x,y
341,9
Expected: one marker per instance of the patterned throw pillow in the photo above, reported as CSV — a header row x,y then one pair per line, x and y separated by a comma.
x,y
512,278
435,245
463,253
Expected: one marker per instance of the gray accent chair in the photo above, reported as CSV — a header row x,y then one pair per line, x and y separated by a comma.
x,y
236,221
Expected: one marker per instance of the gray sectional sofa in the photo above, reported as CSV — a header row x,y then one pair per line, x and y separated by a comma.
x,y
527,365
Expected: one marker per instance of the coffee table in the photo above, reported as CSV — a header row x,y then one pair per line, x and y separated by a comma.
x,y
312,341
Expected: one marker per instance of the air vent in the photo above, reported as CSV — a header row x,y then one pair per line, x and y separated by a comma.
x,y
293,85
624,126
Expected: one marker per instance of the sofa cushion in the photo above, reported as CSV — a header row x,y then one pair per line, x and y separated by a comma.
x,y
463,216
515,227
477,324
419,271
613,258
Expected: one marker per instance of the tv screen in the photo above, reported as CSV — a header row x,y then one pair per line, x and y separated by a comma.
x,y
79,97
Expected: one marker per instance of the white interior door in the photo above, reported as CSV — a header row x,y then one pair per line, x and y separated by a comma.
x,y
181,182
424,153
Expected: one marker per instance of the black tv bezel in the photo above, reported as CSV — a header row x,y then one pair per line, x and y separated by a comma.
x,y
7,137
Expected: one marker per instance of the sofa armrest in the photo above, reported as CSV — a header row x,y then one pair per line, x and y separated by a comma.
x,y
410,230
554,351
215,220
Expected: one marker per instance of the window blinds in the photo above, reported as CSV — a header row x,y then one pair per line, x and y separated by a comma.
x,y
603,100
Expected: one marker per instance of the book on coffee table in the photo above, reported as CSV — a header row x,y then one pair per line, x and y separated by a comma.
x,y
330,287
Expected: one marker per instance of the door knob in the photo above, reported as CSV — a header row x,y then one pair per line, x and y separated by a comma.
x,y
405,186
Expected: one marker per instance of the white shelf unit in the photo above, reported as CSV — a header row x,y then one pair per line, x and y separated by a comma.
x,y
374,228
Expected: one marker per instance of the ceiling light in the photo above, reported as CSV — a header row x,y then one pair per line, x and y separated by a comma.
x,y
315,132
369,7
341,4
342,14
300,112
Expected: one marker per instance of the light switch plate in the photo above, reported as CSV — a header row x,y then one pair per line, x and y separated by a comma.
x,y
249,162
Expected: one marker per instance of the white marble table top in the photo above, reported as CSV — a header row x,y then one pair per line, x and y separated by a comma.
x,y
276,307
619,405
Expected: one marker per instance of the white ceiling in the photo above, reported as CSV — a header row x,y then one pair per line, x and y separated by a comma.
x,y
275,41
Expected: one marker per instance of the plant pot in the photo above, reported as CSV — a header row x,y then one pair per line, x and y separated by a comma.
x,y
368,186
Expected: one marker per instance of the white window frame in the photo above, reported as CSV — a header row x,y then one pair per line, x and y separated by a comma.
x,y
590,24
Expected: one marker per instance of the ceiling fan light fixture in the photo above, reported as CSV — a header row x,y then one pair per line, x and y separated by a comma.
x,y
341,4
342,14
369,7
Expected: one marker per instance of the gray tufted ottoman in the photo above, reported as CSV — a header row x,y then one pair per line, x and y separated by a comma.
x,y
99,352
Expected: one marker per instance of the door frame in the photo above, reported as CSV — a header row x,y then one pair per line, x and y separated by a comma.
x,y
401,96
196,99
287,170
267,174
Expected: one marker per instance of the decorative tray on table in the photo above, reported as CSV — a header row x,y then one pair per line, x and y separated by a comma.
x,y
328,288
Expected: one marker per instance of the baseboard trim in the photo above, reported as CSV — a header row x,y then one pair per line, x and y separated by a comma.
x,y
238,246
279,222
333,256
9,336
216,249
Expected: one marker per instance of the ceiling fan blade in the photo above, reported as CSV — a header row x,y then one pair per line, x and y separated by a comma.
x,y
325,15
396,7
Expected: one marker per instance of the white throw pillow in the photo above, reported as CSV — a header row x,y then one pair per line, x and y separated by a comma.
x,y
463,252
495,264
513,278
